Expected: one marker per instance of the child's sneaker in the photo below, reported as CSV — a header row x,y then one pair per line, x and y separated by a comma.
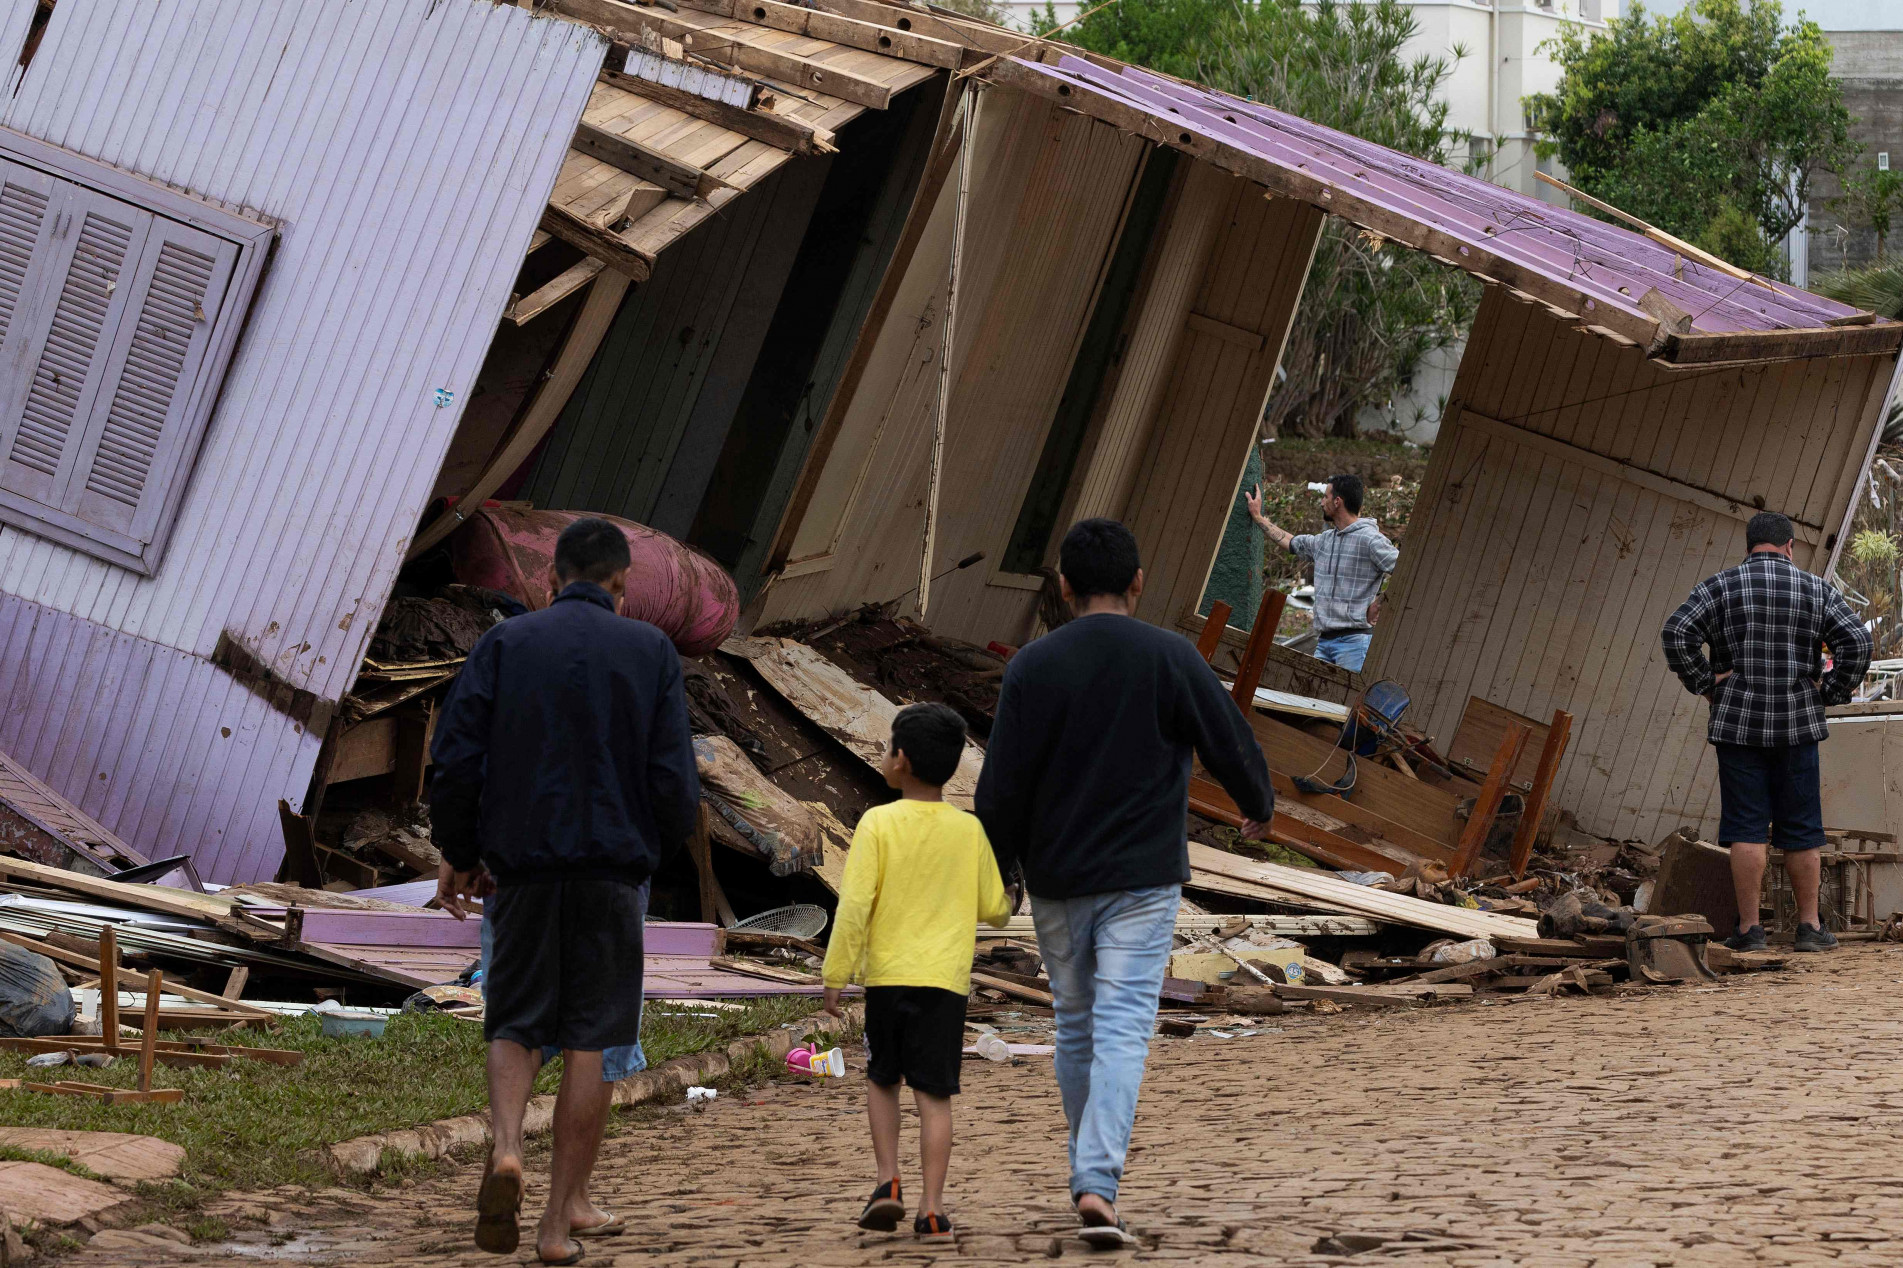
x,y
884,1210
932,1227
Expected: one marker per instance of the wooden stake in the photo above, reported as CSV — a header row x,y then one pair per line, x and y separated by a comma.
x,y
1557,735
109,987
234,984
1211,637
149,1036
1487,804
968,106
1256,654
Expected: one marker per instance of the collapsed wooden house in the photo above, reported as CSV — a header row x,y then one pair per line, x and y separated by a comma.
x,y
689,266
1625,403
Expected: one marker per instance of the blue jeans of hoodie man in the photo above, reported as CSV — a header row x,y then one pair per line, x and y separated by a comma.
x,y
1086,784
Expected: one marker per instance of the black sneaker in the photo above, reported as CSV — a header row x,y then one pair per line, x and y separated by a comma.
x,y
1815,938
884,1209
933,1227
1753,939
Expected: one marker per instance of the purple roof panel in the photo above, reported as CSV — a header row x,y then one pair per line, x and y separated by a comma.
x,y
1602,262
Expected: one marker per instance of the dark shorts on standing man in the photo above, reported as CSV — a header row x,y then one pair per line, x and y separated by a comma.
x,y
566,971
1770,794
916,1033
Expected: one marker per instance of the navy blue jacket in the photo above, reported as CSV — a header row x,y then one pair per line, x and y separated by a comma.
x,y
1086,775
563,749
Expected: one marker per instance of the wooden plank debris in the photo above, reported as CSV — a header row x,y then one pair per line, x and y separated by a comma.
x,y
1305,886
855,715
782,132
156,898
1551,752
1487,805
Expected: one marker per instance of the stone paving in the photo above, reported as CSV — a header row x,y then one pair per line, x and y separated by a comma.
x,y
1751,1121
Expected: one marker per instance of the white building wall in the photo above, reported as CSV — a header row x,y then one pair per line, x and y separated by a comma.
x,y
406,149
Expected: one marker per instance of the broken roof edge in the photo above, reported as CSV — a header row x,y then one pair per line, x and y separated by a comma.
x,y
1578,283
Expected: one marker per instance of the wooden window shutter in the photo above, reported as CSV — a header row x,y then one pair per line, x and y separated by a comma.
x,y
120,305
127,460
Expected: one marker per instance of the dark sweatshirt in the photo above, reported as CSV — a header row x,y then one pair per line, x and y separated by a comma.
x,y
1086,776
563,749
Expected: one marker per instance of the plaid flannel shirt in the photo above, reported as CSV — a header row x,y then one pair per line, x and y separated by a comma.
x,y
1766,621
1350,565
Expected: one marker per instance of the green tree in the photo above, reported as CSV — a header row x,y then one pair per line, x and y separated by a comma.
x,y
1369,311
1871,197
1688,120
1163,35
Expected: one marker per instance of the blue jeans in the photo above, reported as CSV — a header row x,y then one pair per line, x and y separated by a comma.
x,y
616,1063
1347,650
1106,955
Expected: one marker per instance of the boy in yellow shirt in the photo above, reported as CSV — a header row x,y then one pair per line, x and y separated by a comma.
x,y
919,878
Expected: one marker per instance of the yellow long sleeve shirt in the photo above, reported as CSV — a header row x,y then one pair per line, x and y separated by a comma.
x,y
919,878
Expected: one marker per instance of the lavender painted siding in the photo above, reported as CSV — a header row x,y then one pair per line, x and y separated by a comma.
x,y
1605,263
405,149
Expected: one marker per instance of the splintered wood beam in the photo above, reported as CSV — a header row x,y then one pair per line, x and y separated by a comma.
x,y
1487,804
527,308
1211,637
782,132
630,156
1208,799
1256,654
1557,734
602,244
817,24
704,39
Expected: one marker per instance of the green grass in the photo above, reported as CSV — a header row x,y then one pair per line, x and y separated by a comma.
x,y
251,1124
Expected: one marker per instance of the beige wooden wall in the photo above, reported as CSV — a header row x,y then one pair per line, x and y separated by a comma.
x,y
1174,421
1048,190
1576,494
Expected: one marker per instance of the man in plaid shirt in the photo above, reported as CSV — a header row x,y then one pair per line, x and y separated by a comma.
x,y
1766,622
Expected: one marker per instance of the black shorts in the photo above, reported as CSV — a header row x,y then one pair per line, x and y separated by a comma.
x,y
916,1033
1770,795
566,971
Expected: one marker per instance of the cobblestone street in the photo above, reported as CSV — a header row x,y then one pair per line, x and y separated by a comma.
x,y
1751,1121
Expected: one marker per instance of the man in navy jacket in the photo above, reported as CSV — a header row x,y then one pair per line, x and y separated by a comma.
x,y
564,776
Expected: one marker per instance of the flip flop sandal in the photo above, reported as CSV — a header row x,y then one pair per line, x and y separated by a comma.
x,y
615,1226
573,1257
498,1202
883,1210
1107,1236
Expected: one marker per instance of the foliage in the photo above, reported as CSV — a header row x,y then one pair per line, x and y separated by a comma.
x,y
1871,197
1873,548
1695,121
250,1124
984,10
1164,35
1370,310
1878,288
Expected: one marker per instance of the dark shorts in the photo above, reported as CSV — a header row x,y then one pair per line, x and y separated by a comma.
x,y
1770,795
566,972
916,1033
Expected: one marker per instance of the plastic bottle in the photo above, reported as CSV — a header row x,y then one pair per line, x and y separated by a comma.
x,y
813,1061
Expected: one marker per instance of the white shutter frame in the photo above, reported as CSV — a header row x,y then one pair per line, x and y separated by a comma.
x,y
65,509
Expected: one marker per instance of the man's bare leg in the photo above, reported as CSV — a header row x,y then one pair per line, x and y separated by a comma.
x,y
1747,881
512,1070
581,1111
1806,873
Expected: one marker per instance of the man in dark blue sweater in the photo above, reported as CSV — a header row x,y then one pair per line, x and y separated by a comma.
x,y
1086,783
564,775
